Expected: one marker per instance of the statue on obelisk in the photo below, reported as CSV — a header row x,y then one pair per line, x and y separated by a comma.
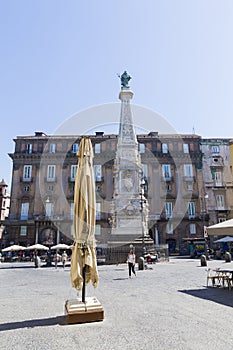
x,y
125,78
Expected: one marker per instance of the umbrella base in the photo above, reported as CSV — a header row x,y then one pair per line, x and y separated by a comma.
x,y
78,312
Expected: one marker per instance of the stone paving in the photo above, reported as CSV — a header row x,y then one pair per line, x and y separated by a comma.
x,y
166,307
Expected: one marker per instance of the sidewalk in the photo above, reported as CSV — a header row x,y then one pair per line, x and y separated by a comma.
x,y
168,307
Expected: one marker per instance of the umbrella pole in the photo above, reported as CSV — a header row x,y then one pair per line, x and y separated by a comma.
x,y
84,284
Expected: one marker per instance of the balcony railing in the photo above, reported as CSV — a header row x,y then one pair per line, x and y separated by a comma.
x,y
167,178
26,179
189,178
99,179
50,179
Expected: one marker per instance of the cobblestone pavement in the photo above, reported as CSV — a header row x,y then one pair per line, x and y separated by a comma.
x,y
165,307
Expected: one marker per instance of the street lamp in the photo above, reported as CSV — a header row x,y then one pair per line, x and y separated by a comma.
x,y
203,201
142,202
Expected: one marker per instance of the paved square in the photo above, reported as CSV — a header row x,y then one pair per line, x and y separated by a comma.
x,y
167,307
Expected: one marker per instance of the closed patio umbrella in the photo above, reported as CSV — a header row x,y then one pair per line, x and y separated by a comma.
x,y
83,261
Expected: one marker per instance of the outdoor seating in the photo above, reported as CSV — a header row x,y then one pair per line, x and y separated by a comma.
x,y
220,278
213,277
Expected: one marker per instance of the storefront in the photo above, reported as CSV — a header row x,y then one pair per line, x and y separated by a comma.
x,y
195,246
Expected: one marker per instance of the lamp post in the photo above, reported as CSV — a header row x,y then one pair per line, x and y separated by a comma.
x,y
203,201
142,202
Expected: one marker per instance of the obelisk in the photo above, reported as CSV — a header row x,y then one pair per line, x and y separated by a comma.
x,y
130,207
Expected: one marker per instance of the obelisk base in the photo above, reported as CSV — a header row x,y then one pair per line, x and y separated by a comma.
x,y
78,312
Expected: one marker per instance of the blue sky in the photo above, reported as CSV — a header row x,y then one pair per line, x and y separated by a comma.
x,y
60,57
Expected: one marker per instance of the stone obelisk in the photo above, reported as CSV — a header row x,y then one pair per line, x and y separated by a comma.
x,y
130,207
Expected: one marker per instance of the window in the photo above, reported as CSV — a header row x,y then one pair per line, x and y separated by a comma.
x,y
28,148
164,148
73,172
49,209
50,188
169,228
215,149
51,172
97,230
71,211
166,170
220,201
191,209
188,170
189,186
27,172
145,171
168,187
168,210
192,229
98,172
141,147
75,148
218,178
23,230
52,148
97,148
98,211
186,147
221,219
26,188
24,211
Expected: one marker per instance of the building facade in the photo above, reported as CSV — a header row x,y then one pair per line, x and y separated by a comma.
x,y
218,179
43,178
4,210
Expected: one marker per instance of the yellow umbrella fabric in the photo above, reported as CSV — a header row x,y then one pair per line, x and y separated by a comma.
x,y
83,251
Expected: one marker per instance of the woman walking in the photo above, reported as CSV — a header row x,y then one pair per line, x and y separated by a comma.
x,y
131,259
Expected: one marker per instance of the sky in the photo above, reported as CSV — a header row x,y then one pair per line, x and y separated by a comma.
x,y
61,57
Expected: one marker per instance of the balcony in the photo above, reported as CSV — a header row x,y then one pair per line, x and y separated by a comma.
x,y
167,178
223,208
50,179
189,178
99,179
26,179
218,184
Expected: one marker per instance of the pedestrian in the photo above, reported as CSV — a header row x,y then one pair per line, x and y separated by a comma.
x,y
131,259
56,259
64,259
37,260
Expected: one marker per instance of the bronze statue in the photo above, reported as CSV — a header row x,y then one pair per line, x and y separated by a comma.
x,y
125,78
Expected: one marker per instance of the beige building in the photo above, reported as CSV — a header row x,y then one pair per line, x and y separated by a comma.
x,y
218,179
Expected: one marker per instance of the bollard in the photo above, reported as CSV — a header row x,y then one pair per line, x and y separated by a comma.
x,y
227,257
141,263
203,260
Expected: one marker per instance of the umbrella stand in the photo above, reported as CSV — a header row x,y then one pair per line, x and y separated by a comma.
x,y
84,285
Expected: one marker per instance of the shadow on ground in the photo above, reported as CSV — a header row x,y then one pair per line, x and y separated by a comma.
x,y
217,295
8,267
59,320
